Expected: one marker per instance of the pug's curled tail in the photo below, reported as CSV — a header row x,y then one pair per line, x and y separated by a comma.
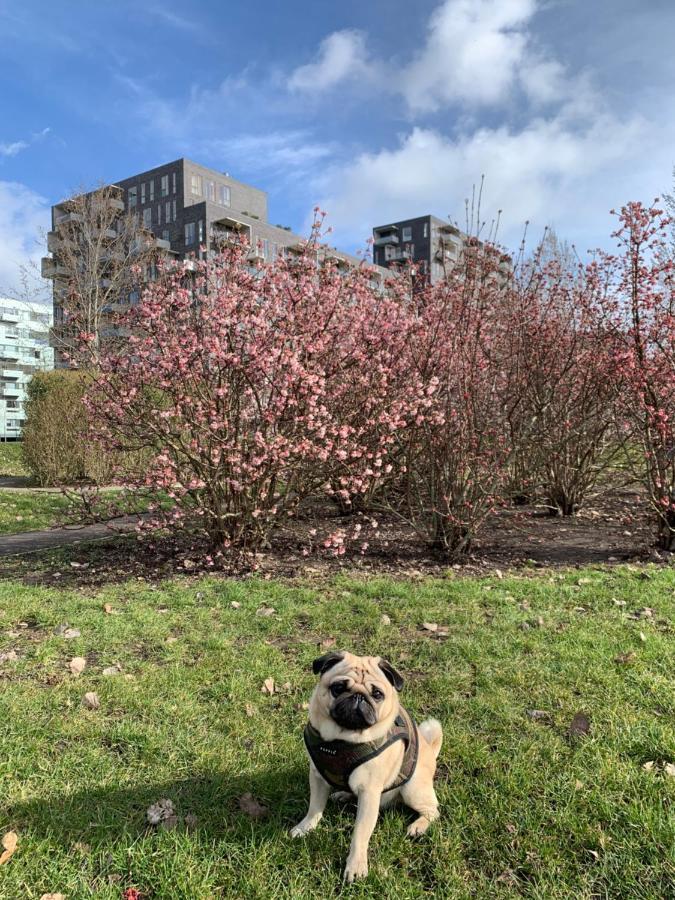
x,y
433,733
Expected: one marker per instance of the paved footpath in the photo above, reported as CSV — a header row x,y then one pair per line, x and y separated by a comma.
x,y
33,541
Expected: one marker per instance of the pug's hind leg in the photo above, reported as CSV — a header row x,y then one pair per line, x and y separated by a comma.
x,y
342,796
318,797
423,800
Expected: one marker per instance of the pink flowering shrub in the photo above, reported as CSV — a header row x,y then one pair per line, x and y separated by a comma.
x,y
458,446
640,304
250,389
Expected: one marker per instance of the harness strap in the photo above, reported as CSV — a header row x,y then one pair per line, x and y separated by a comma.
x,y
336,760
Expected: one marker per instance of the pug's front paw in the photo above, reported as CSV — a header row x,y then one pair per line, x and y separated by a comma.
x,y
357,867
307,825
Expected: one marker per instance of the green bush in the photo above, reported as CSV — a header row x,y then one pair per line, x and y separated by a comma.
x,y
55,445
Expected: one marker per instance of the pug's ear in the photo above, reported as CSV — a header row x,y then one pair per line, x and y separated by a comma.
x,y
391,674
324,663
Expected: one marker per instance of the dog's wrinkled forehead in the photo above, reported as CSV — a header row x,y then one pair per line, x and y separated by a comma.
x,y
347,665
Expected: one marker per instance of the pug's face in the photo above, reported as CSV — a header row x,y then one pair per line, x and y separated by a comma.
x,y
356,692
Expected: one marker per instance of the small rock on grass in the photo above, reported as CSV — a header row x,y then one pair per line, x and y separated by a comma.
x,y
579,726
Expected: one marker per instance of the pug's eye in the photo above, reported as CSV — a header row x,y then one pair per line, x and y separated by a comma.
x,y
338,687
377,694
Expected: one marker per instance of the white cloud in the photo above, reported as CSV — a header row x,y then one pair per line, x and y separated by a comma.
x,y
12,149
280,153
342,56
472,54
17,146
23,215
545,172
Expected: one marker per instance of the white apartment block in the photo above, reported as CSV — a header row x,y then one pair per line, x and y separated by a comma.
x,y
24,349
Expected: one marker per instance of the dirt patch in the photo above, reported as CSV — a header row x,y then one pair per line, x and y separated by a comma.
x,y
613,529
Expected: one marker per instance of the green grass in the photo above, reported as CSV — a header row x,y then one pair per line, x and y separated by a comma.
x,y
11,459
31,510
526,810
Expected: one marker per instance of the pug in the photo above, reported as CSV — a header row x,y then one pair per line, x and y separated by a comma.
x,y
361,742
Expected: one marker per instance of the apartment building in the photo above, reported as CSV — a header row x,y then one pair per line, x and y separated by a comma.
x,y
24,349
433,244
184,207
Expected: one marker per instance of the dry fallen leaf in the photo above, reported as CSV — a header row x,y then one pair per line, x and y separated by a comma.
x,y
649,766
578,785
625,658
91,701
669,769
235,604
160,812
191,821
265,611
328,642
70,633
250,710
539,715
107,609
430,626
252,807
77,665
112,670
9,842
385,620
268,686
52,897
580,725
171,639
9,656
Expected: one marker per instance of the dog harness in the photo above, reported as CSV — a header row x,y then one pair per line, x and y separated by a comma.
x,y
336,760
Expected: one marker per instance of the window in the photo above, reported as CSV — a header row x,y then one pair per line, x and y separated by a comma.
x,y
159,213
165,186
173,177
211,191
223,195
265,247
147,216
173,210
143,193
426,230
201,231
152,189
190,233
166,235
406,233
168,212
196,185
275,250
133,197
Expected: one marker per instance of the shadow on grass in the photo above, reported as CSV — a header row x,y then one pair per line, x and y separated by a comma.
x,y
101,815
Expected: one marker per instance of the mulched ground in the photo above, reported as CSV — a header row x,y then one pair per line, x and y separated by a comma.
x,y
614,528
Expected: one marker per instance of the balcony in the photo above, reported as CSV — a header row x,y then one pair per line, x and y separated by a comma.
x,y
230,231
12,374
385,235
10,315
67,218
50,268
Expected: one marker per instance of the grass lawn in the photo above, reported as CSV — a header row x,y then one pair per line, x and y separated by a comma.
x,y
527,810
11,459
31,510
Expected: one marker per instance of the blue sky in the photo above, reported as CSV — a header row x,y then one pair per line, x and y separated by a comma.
x,y
374,111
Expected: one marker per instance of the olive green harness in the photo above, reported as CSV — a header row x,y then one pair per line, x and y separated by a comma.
x,y
336,760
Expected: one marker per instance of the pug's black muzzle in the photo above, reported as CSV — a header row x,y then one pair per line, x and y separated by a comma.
x,y
353,711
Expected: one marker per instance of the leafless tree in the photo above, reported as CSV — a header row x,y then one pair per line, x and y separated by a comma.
x,y
101,255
